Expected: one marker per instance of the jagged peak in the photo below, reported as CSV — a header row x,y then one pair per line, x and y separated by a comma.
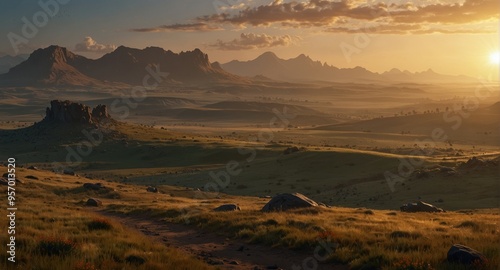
x,y
54,53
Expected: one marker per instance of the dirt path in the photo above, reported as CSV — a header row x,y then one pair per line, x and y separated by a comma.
x,y
220,251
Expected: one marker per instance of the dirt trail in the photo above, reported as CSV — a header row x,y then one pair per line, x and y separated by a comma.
x,y
220,251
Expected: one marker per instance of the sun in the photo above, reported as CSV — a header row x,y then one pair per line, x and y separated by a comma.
x,y
495,58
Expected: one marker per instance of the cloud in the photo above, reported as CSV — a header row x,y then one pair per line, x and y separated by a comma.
x,y
190,27
312,13
254,41
90,45
330,15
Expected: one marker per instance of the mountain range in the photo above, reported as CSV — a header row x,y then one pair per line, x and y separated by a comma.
x,y
57,66
303,68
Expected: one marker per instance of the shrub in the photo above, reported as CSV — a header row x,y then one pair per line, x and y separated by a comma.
x,y
56,246
135,260
270,222
369,212
402,234
469,224
99,224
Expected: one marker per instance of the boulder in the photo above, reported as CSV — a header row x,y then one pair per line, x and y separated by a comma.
x,y
32,177
420,207
93,202
32,168
91,186
152,189
5,181
465,255
287,201
227,208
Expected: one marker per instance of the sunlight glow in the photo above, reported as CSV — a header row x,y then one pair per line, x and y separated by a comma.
x,y
495,58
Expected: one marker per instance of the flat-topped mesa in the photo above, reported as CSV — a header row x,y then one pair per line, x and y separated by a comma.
x,y
75,113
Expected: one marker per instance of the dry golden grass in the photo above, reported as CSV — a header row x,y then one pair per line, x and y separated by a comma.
x,y
55,232
363,237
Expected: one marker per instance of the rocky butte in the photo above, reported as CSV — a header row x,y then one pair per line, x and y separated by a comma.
x,y
68,112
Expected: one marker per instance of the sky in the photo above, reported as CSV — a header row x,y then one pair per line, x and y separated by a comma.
x,y
457,37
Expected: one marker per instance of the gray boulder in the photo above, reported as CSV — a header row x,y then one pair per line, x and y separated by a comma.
x,y
287,201
93,202
152,190
420,207
227,208
465,255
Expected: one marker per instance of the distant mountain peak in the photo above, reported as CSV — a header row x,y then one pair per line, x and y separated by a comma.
x,y
303,58
53,53
267,56
395,71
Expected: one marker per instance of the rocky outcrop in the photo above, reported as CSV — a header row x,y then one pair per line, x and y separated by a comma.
x,y
75,113
287,201
475,163
420,207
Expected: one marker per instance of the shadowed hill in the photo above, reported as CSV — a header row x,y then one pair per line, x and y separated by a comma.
x,y
484,121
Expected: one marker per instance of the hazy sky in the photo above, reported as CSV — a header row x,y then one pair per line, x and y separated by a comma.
x,y
449,36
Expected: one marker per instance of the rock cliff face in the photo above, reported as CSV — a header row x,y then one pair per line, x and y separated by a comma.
x,y
75,113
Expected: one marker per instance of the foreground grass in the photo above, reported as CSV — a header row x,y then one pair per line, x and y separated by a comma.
x,y
361,238
51,210
55,232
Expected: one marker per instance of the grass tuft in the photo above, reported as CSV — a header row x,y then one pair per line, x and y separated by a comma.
x,y
99,224
54,246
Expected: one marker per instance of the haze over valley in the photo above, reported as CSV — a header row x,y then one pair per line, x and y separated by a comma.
x,y
304,141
